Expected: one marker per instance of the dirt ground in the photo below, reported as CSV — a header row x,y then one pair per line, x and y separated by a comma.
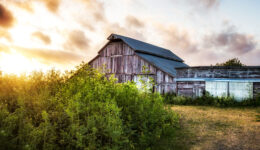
x,y
211,128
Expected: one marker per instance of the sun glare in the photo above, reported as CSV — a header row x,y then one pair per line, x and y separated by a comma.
x,y
17,64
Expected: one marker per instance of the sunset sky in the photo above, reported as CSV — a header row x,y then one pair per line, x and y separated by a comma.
x,y
45,34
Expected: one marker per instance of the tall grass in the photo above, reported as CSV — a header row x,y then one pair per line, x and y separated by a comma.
x,y
81,110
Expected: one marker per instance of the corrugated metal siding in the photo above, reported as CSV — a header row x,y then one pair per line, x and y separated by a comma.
x,y
217,89
241,90
256,89
238,90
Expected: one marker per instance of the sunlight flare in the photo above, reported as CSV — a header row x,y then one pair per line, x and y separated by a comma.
x,y
14,63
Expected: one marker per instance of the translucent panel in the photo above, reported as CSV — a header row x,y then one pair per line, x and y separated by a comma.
x,y
143,80
241,90
217,89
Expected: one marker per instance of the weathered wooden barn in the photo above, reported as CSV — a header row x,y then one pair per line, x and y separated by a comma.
x,y
238,82
126,57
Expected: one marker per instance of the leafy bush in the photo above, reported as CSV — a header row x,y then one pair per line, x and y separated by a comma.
x,y
81,110
209,100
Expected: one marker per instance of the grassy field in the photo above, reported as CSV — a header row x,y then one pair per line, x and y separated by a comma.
x,y
204,127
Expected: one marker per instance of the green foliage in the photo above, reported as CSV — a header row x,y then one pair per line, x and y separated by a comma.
x,y
81,110
208,100
231,62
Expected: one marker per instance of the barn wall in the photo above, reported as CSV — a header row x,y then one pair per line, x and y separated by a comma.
x,y
219,72
256,89
191,89
119,59
238,82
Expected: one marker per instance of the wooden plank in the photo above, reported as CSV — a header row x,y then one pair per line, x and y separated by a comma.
x,y
121,60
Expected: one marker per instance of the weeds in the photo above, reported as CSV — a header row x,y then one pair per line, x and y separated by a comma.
x,y
208,100
81,110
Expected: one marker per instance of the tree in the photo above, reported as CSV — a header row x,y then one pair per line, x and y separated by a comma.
x,y
231,62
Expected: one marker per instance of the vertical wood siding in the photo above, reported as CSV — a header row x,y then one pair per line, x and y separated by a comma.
x,y
119,59
191,88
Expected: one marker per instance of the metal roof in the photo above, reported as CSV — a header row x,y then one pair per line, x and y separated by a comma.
x,y
147,48
165,65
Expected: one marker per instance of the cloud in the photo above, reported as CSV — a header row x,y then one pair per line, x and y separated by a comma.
x,y
134,22
26,5
207,3
5,35
6,17
231,41
48,56
251,58
177,39
77,41
87,24
52,5
43,37
4,48
118,29
199,5
97,9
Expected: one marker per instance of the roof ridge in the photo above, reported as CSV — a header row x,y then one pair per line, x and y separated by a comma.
x,y
145,47
113,34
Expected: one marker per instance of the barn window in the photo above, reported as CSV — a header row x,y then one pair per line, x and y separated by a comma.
x,y
146,79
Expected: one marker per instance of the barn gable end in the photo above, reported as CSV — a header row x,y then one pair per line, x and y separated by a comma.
x,y
126,63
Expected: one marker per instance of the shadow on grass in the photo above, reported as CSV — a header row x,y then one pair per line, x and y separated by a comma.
x,y
184,138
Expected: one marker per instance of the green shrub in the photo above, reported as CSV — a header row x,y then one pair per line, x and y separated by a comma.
x,y
209,100
81,110
146,121
177,100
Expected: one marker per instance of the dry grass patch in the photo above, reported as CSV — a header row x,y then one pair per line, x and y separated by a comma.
x,y
205,127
